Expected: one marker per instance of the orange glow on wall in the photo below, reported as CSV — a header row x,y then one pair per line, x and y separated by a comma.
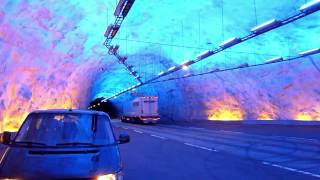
x,y
227,108
308,116
265,116
226,114
25,92
266,110
303,117
17,109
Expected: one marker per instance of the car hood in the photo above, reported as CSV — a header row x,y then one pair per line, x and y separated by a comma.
x,y
62,163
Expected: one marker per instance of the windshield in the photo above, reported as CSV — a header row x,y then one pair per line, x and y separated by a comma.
x,y
65,129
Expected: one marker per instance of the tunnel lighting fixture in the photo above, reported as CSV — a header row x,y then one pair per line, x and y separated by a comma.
x,y
114,31
310,7
113,49
273,60
123,59
265,26
130,67
187,63
116,47
160,73
110,50
204,54
119,7
127,7
310,52
184,67
134,73
230,42
172,68
108,30
243,65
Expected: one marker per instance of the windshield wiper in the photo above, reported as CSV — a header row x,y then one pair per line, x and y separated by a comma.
x,y
30,143
74,144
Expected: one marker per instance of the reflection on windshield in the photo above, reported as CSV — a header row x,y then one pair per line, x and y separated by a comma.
x,y
66,129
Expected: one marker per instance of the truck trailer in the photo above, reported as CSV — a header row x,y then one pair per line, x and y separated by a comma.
x,y
141,109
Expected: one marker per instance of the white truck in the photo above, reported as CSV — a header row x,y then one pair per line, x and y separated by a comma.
x,y
142,109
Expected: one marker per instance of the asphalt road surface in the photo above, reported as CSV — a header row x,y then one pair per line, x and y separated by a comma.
x,y
188,151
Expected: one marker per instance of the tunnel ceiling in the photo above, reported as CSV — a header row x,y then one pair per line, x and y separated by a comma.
x,y
52,53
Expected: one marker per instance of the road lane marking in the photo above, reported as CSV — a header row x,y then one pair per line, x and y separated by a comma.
x,y
201,147
304,139
160,137
138,131
190,127
292,169
124,127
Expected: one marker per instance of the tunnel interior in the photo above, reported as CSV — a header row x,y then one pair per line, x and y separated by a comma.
x,y
53,56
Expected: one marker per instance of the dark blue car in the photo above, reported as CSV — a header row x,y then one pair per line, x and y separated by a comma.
x,y
63,144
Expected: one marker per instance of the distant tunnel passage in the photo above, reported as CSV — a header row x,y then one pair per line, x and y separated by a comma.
x,y
107,107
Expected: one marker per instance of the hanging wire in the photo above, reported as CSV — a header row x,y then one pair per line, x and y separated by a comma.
x,y
229,69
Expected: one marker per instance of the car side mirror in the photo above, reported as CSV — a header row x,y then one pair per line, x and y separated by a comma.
x,y
6,137
123,138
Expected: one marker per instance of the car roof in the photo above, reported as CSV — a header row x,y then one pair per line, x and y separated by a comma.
x,y
75,111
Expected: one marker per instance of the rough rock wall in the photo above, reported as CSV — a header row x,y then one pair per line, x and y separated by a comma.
x,y
50,54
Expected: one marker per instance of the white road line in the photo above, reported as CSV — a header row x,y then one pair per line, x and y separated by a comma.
x,y
194,127
201,147
160,137
124,127
292,169
237,132
138,131
298,138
